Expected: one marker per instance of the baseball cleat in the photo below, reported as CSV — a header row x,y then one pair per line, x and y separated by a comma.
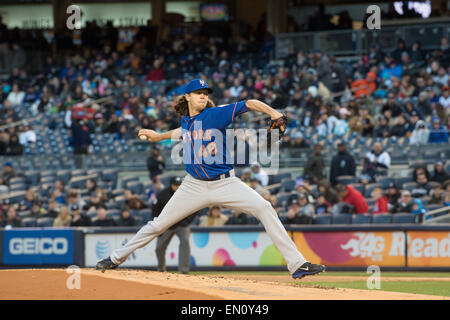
x,y
105,264
308,269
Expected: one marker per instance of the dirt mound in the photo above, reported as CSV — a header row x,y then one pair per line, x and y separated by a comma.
x,y
49,284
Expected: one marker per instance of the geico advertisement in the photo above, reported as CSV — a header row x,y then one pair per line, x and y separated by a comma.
x,y
428,248
29,247
218,249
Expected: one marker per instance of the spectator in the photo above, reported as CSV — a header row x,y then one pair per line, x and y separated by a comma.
x,y
155,163
102,219
260,174
444,100
14,147
215,218
422,188
348,194
376,162
314,169
156,73
3,187
63,219
420,134
392,105
420,169
126,220
381,202
17,58
440,174
80,139
16,96
255,185
74,198
322,206
54,210
94,203
154,190
299,211
383,129
438,133
27,202
324,187
12,220
238,218
4,50
8,172
27,137
342,164
437,194
133,201
407,204
400,127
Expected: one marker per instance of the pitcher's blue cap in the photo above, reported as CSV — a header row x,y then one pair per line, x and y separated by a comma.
x,y
196,84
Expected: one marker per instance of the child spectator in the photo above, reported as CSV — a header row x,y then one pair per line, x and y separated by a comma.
x,y
381,202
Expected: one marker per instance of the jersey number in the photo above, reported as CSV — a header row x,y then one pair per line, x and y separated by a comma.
x,y
209,150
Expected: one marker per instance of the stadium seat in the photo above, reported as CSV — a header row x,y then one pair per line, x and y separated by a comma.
x,y
280,176
288,185
402,180
346,180
63,175
409,186
342,219
110,175
78,182
15,196
370,187
361,219
135,186
385,181
29,222
17,180
322,219
23,214
78,173
44,222
17,187
406,218
48,179
381,219
113,213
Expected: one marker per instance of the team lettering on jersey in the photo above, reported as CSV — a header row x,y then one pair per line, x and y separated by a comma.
x,y
197,135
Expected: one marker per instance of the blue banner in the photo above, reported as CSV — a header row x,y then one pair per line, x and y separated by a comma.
x,y
38,246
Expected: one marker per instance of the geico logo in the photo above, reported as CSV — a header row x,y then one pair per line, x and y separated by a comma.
x,y
38,246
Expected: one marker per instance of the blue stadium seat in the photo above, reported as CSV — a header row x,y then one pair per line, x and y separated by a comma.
x,y
361,219
17,180
135,186
29,222
288,185
63,175
17,187
406,218
342,219
78,173
44,222
346,180
322,219
113,213
381,219
48,179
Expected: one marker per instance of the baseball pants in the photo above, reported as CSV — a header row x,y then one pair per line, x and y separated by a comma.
x,y
184,250
194,194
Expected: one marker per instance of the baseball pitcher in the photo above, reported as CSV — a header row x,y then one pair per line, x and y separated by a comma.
x,y
210,178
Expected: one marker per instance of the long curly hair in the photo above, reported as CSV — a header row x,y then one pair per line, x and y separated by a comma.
x,y
181,105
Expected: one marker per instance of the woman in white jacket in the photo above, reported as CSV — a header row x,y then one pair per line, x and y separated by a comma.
x,y
16,96
420,134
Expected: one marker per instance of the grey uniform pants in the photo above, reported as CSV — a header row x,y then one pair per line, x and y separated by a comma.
x,y
194,194
184,251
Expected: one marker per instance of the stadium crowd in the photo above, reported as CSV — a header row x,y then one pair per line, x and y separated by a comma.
x,y
403,93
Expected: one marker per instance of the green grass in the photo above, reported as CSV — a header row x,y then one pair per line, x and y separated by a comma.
x,y
417,287
331,273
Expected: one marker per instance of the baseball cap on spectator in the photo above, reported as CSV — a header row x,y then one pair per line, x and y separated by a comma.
x,y
6,201
175,181
392,185
293,201
236,65
74,207
195,85
435,119
222,63
302,195
391,95
8,164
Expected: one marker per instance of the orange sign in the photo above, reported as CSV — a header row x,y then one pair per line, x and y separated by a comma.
x,y
428,248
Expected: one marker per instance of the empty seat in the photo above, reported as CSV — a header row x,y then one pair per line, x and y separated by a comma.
x,y
346,180
404,218
385,181
63,175
361,219
17,180
32,177
78,182
110,175
135,186
44,222
18,187
322,219
29,222
113,213
342,219
381,218
288,185
402,180
78,173
48,179
281,176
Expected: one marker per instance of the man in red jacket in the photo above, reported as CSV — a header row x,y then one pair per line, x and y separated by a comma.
x,y
349,195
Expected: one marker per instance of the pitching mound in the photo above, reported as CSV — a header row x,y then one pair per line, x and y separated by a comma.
x,y
49,284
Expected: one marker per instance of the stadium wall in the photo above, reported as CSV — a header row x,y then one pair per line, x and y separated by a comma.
x,y
343,247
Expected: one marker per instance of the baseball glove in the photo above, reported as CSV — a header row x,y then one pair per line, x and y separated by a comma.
x,y
280,124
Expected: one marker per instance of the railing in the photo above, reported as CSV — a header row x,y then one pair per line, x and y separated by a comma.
x,y
357,42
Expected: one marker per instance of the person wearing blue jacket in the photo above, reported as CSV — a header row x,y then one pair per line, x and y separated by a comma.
x,y
438,134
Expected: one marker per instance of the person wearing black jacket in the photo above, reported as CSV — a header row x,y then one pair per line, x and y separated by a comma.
x,y
342,164
181,229
155,163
